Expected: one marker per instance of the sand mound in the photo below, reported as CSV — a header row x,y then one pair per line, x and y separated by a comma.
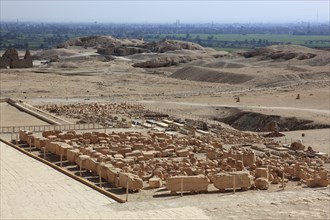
x,y
222,64
68,65
52,53
210,75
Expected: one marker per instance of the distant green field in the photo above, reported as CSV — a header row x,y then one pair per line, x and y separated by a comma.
x,y
305,40
228,42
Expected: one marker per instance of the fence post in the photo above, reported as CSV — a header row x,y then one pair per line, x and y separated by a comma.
x,y
100,178
127,185
181,187
80,168
234,183
283,180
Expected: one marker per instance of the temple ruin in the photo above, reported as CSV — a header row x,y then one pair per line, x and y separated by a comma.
x,y
10,59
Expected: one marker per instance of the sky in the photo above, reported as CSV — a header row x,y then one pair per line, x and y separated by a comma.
x,y
166,11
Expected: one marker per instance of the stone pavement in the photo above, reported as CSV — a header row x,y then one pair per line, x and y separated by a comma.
x,y
32,190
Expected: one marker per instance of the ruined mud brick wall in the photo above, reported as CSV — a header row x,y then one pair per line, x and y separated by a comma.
x,y
157,157
10,59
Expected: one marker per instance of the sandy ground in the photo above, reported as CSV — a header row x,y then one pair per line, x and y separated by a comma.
x,y
11,116
114,86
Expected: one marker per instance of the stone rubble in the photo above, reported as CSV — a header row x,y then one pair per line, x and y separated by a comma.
x,y
135,159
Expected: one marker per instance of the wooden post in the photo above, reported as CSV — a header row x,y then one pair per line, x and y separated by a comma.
x,y
11,136
100,178
80,168
16,139
234,182
127,185
181,187
30,146
61,157
283,186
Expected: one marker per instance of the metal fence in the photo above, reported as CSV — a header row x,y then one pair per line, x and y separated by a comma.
x,y
40,128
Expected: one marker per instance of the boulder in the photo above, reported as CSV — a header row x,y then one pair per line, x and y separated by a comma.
x,y
261,183
297,146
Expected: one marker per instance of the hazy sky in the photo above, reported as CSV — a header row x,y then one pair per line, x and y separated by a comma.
x,y
224,11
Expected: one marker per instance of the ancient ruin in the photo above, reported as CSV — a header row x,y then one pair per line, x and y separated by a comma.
x,y
10,59
136,160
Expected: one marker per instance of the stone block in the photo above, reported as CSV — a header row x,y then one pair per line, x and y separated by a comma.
x,y
91,165
148,155
197,183
249,159
223,181
112,174
125,150
135,183
72,154
138,146
261,172
81,160
63,148
155,182
41,142
182,153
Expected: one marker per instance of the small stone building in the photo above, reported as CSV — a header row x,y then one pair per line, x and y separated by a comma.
x,y
11,59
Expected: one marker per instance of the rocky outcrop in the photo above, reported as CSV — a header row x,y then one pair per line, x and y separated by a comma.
x,y
280,53
171,45
120,50
11,59
164,61
107,45
253,121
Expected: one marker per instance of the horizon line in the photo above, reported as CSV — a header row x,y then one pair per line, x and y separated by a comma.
x,y
163,22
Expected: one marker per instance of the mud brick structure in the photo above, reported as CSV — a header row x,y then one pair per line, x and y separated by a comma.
x,y
11,59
